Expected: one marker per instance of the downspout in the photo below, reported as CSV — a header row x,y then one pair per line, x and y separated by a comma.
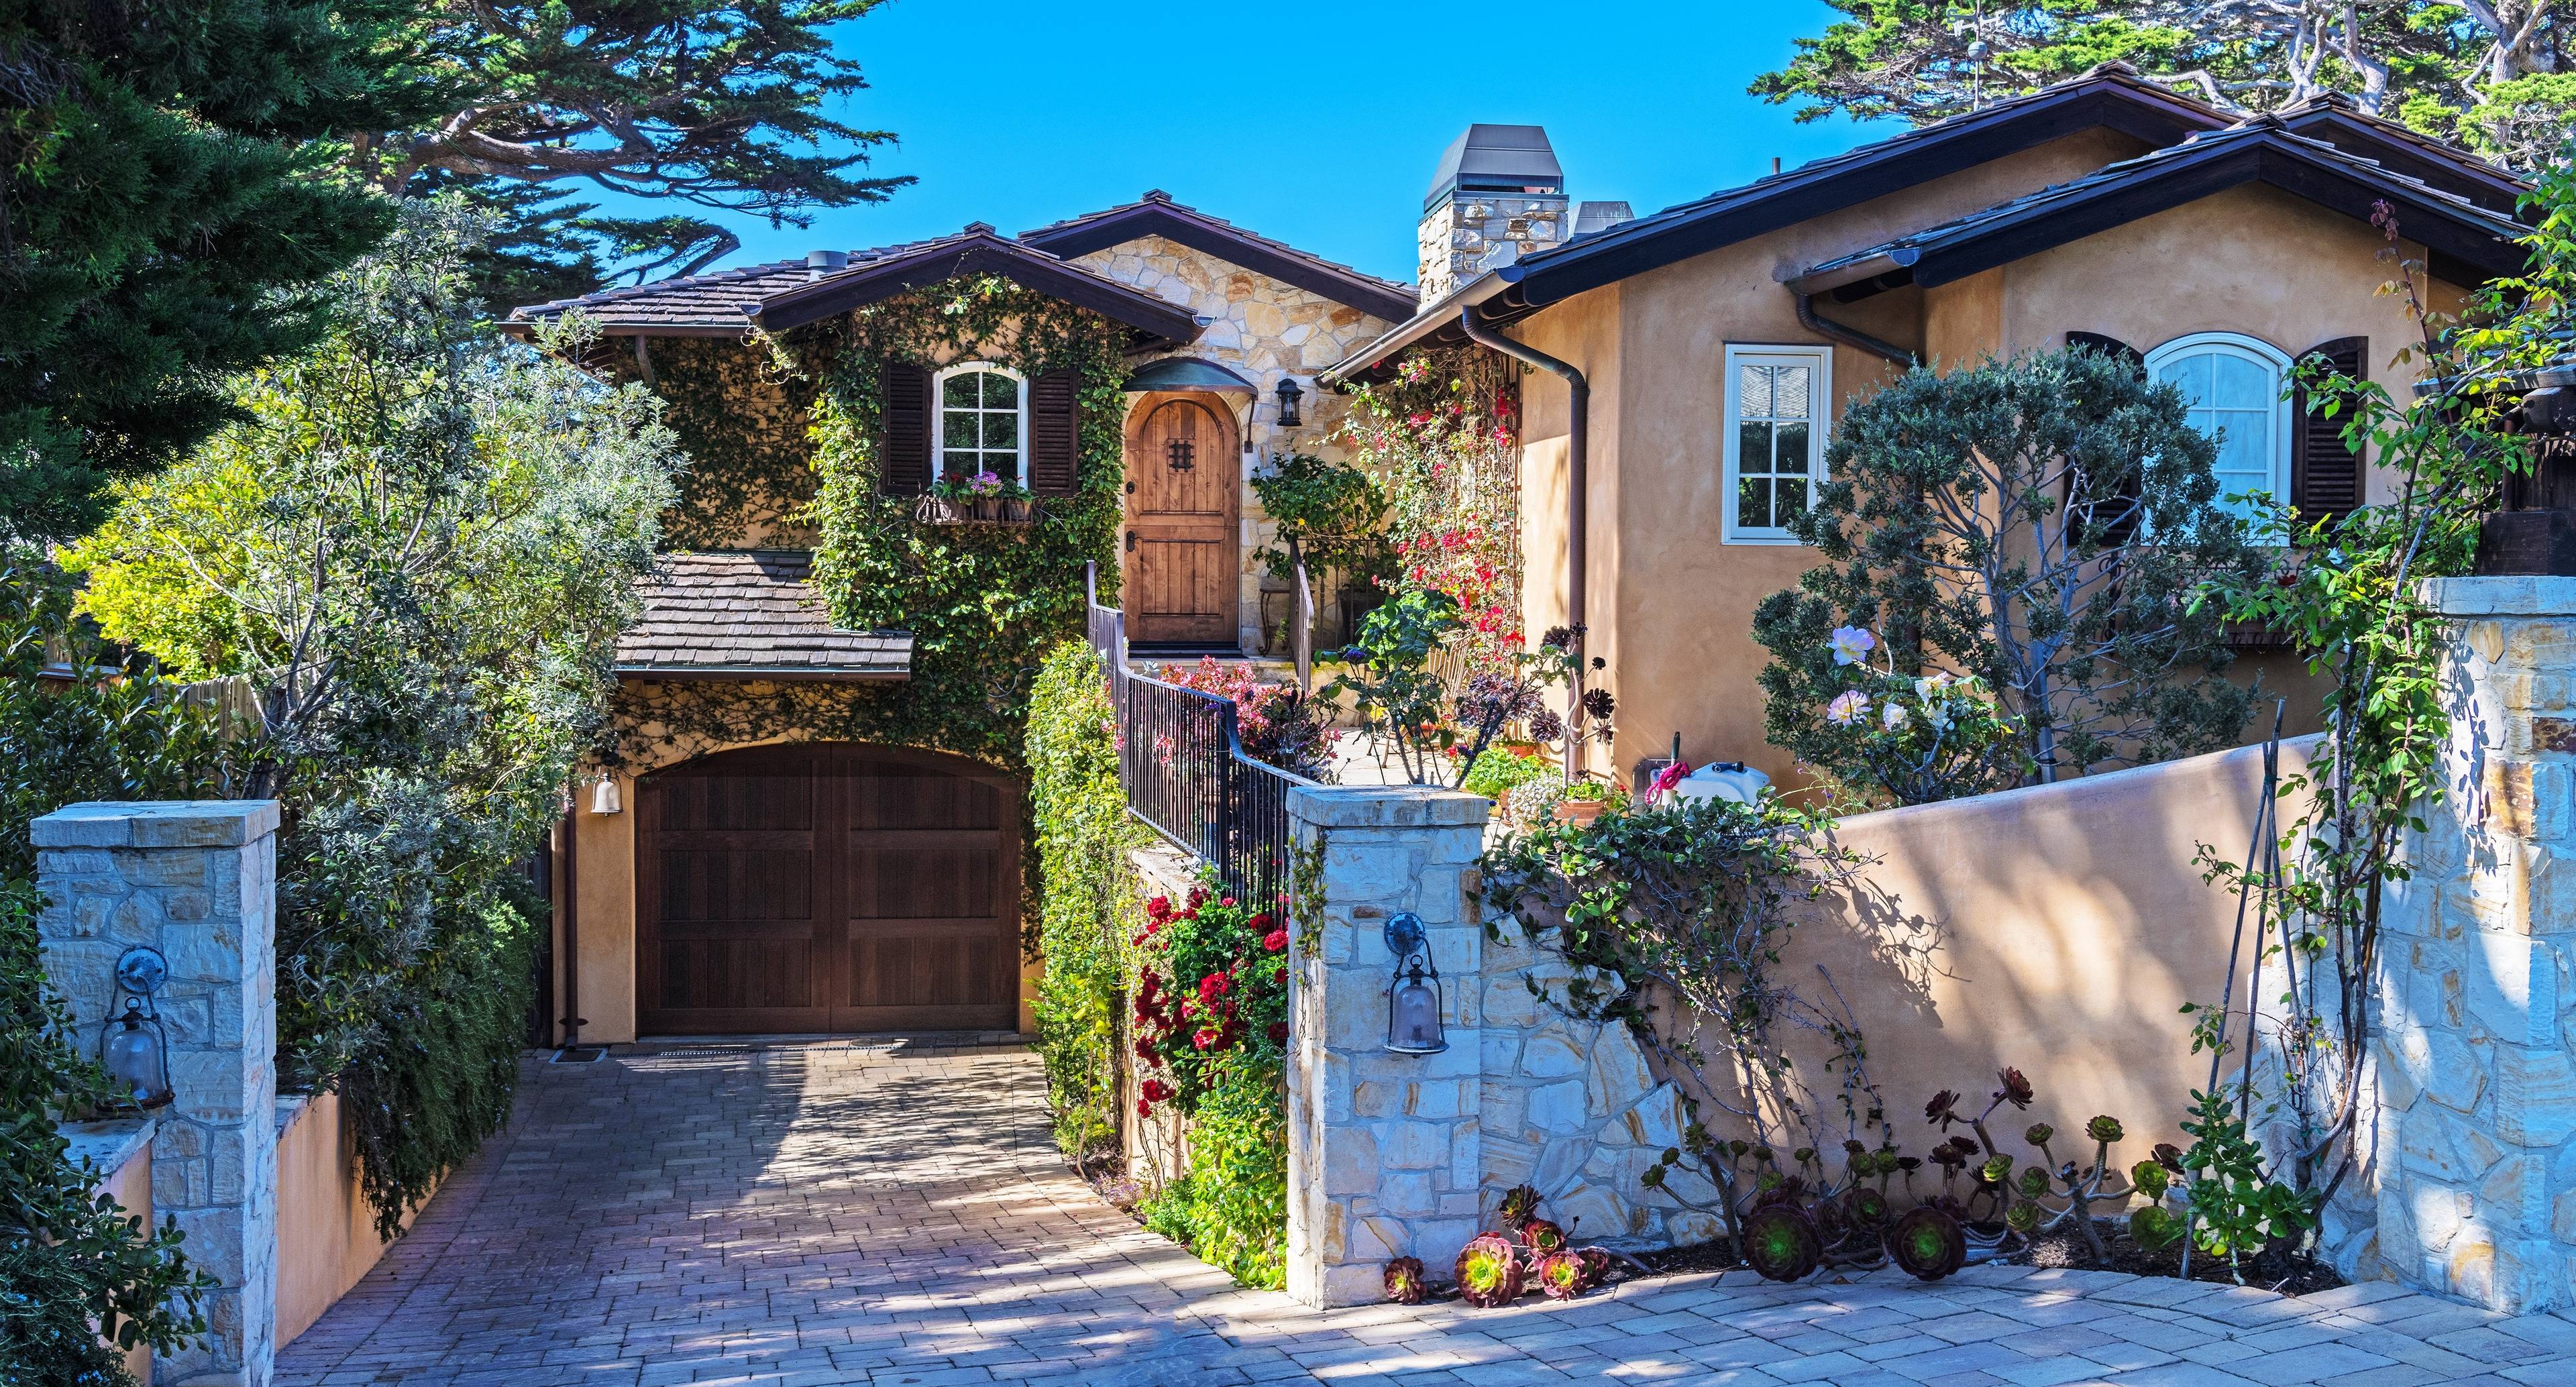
x,y
1850,336
1578,507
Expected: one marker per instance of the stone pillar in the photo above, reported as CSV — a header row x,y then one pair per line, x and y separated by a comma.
x,y
2475,1035
197,881
1383,1152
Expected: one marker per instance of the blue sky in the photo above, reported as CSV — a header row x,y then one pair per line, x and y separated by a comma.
x,y
1317,122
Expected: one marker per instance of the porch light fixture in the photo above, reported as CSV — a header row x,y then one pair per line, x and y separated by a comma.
x,y
1290,392
133,1046
603,796
1413,995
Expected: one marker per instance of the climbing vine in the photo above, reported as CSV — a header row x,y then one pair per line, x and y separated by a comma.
x,y
743,422
983,602
1088,904
1444,436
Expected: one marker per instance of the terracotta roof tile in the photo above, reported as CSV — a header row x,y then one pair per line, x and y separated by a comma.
x,y
748,615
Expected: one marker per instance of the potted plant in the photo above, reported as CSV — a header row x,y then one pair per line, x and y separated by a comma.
x,y
1585,801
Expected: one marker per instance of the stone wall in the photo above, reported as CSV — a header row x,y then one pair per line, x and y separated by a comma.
x,y
1469,234
2476,1015
1265,331
195,880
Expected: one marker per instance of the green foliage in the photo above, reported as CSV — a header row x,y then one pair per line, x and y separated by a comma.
x,y
1330,514
2232,1207
983,602
1913,739
2485,75
711,106
159,226
1230,1206
1088,900
743,421
416,552
1499,771
2040,524
1443,438
74,1266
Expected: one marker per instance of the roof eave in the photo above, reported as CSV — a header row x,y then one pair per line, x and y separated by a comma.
x,y
1474,293
839,293
1121,225
741,674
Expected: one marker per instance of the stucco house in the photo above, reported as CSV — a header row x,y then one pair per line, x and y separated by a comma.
x,y
798,835
1720,339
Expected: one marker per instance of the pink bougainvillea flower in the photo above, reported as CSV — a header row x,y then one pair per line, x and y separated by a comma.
x,y
1847,709
1851,644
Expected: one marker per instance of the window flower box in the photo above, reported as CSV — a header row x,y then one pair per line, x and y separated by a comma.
x,y
936,509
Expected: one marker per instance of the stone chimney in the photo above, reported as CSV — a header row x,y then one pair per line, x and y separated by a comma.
x,y
1499,195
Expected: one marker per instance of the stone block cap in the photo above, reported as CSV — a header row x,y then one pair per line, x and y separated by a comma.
x,y
180,823
2518,595
1386,806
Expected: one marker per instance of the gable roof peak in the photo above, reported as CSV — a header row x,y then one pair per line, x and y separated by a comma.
x,y
1158,195
2114,68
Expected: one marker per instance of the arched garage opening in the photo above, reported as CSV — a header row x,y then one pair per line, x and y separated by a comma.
x,y
827,887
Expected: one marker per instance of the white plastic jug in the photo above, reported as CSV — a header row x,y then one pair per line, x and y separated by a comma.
x,y
1726,780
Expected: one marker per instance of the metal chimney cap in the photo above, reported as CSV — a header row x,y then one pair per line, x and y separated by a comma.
x,y
1502,159
819,263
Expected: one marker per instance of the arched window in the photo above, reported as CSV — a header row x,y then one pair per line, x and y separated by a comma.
x,y
983,422
2237,386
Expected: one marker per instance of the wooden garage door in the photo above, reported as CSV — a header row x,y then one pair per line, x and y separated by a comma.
x,y
827,888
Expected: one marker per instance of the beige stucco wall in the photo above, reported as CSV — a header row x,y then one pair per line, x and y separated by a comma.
x,y
2072,966
1264,330
130,1185
326,1228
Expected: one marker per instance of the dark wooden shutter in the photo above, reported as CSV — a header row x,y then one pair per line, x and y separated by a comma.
x,y
2123,525
910,414
2110,346
1055,433
2325,472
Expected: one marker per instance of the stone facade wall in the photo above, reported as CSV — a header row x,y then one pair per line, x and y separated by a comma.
x,y
1264,331
2476,1014
1470,234
197,881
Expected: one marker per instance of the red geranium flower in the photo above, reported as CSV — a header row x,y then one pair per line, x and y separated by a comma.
x,y
1277,940
1278,1030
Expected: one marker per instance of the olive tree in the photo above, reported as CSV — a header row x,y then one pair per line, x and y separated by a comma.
x,y
2043,524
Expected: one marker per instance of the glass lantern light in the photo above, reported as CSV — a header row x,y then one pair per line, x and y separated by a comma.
x,y
132,1045
1290,393
1413,994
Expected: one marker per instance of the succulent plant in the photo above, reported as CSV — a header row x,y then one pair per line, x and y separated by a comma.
x,y
1866,1207
2039,1134
1780,1243
2169,1156
2022,1217
1996,1170
1928,1243
2013,1087
1520,1203
1652,1177
1541,1236
1802,1155
1561,1276
1596,1265
2104,1129
1943,1109
2154,1228
1404,1281
2034,1182
1853,1147
2150,1178
1489,1271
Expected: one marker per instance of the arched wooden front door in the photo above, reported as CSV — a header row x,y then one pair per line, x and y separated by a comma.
x,y
827,887
1183,480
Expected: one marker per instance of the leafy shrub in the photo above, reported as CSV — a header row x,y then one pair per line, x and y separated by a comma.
x,y
1330,514
1498,772
1913,739
1230,1206
1083,832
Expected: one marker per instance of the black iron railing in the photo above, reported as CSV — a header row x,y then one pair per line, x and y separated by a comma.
x,y
1182,764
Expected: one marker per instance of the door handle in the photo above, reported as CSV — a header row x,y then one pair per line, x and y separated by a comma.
x,y
1131,541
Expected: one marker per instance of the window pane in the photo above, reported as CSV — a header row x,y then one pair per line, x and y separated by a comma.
x,y
2238,383
1792,455
1752,448
1002,430
1790,496
957,429
1789,396
1753,503
1753,392
1000,391
958,392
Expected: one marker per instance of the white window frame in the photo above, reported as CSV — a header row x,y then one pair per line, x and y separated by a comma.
x,y
2284,418
1818,359
939,417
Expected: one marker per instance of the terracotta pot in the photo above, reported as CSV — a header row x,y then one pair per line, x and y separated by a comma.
x,y
1579,811
1520,748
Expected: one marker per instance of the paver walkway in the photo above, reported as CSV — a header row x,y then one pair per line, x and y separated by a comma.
x,y
881,1212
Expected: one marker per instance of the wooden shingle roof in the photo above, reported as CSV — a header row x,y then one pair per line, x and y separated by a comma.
x,y
749,615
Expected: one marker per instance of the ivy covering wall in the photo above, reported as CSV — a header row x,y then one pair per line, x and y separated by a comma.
x,y
1089,907
983,602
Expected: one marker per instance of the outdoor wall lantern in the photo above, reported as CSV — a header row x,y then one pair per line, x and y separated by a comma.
x,y
603,796
1289,394
1413,995
132,1045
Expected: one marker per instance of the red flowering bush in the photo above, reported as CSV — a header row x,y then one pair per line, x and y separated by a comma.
x,y
1278,725
1211,992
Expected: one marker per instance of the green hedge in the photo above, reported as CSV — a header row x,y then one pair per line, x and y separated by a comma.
x,y
1088,903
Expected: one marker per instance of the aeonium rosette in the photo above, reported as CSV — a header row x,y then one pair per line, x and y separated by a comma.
x,y
1211,991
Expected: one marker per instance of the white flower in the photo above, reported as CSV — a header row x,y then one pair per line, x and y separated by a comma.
x,y
1891,717
1852,644
1938,715
1932,685
1848,709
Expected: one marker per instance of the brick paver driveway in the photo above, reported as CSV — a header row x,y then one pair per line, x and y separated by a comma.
x,y
879,1212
